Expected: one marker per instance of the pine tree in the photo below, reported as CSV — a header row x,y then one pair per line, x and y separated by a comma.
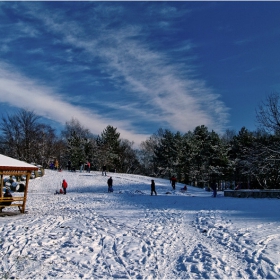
x,y
80,143
167,153
109,151
76,149
239,152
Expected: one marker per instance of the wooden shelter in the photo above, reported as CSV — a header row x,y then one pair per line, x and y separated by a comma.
x,y
14,167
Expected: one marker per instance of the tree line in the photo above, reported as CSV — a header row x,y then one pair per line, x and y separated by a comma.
x,y
24,137
251,158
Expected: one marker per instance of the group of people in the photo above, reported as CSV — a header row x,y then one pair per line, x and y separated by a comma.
x,y
84,166
64,186
173,181
110,185
54,165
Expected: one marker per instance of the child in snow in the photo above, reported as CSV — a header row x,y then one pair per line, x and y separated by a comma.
x,y
184,189
59,192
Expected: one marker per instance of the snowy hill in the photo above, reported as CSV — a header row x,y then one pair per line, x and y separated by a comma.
x,y
90,233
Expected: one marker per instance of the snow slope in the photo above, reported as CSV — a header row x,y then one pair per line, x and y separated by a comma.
x,y
92,234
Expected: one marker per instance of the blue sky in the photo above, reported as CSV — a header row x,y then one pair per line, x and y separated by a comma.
x,y
140,66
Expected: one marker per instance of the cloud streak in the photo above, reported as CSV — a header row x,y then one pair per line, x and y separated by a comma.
x,y
147,85
21,92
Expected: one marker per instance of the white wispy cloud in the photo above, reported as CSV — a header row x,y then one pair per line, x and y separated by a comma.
x,y
166,92
19,91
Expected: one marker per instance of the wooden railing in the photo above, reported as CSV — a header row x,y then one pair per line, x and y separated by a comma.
x,y
17,201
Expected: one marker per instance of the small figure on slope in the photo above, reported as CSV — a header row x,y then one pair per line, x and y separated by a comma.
x,y
110,185
104,170
64,186
184,189
214,188
173,181
153,187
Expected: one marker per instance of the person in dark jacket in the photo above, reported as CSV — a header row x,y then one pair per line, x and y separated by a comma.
x,y
153,187
64,186
110,184
214,188
7,194
104,170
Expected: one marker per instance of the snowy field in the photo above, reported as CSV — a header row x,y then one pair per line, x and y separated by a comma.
x,y
129,234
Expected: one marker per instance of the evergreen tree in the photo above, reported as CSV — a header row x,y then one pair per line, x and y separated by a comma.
x,y
108,144
185,158
199,155
76,149
80,143
166,154
241,144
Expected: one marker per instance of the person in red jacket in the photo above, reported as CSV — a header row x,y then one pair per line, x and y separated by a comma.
x,y
173,181
64,186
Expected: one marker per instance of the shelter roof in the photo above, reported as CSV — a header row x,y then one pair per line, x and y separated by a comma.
x,y
11,164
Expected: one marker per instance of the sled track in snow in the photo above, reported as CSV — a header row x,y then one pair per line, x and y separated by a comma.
x,y
239,242
156,244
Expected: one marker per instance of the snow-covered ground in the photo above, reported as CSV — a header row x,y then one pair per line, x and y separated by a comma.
x,y
92,234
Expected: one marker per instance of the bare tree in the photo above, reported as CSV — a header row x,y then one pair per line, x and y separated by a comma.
x,y
128,157
146,153
25,138
268,114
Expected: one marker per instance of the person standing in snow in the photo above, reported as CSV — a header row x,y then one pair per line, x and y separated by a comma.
x,y
153,187
104,170
81,166
64,186
88,167
214,188
173,181
56,165
110,184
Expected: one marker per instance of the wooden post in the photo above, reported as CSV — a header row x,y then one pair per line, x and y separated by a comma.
x,y
28,175
2,185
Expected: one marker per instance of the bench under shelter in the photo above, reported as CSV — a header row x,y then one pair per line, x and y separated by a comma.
x,y
20,169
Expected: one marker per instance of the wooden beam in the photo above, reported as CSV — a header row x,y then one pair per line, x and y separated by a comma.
x,y
2,186
25,190
13,172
